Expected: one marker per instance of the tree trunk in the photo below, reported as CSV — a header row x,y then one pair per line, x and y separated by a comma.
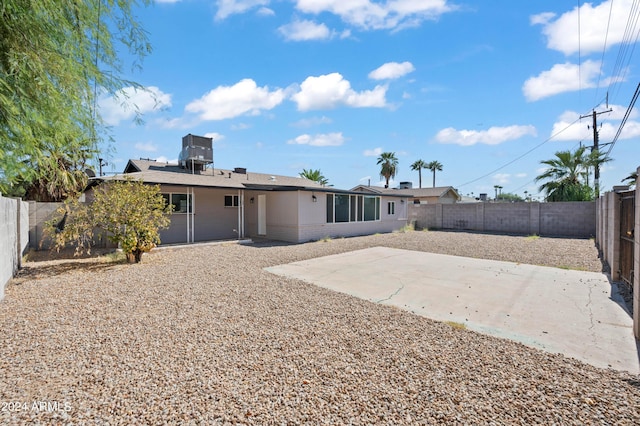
x,y
135,256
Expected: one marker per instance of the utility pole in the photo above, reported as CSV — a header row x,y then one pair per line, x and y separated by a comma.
x,y
596,166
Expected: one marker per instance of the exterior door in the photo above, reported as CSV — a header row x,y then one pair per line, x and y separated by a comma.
x,y
262,214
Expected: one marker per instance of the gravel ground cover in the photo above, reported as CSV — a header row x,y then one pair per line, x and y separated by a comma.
x,y
203,335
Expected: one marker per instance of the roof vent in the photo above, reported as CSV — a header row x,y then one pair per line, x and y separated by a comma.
x,y
240,170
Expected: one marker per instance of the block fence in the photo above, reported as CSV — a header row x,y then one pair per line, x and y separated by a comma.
x,y
561,219
14,237
608,239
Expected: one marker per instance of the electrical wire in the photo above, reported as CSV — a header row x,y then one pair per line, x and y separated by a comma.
x,y
604,48
579,55
625,52
520,156
624,119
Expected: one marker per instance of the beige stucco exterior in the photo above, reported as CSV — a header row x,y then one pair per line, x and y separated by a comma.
x,y
291,216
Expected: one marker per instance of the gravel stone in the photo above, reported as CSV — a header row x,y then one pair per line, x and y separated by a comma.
x,y
204,335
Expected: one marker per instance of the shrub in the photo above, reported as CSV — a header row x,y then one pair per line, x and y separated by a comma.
x,y
129,212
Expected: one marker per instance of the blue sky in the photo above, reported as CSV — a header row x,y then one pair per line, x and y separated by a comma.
x,y
488,90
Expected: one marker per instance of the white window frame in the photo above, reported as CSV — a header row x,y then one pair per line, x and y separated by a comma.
x,y
235,200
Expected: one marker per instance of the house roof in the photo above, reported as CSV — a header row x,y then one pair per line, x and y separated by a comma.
x,y
438,191
172,174
155,172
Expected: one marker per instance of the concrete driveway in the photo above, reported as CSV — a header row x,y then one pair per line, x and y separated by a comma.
x,y
578,314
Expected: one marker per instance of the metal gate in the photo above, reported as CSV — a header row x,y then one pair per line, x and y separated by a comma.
x,y
627,219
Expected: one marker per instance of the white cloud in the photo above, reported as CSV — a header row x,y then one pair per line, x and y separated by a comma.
x,y
375,152
242,98
595,27
265,11
217,137
561,78
313,121
305,30
323,139
542,18
163,159
227,8
391,70
501,178
332,90
130,101
147,147
566,128
493,136
369,15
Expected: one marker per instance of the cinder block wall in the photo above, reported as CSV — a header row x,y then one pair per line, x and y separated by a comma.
x,y
574,219
39,214
14,231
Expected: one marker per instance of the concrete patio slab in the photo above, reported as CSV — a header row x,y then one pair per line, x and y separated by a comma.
x,y
579,314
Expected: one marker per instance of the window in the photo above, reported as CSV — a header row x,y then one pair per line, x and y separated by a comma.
x,y
391,207
329,208
371,208
352,208
182,203
342,207
231,201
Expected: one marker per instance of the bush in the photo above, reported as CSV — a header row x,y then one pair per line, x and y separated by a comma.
x,y
129,212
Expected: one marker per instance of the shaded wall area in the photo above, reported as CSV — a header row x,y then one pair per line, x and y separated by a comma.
x,y
14,237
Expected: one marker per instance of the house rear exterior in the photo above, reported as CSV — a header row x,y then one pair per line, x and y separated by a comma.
x,y
221,204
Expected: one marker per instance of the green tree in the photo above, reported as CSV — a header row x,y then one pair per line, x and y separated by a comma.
x,y
314,175
566,177
129,212
434,166
56,58
419,165
508,196
388,166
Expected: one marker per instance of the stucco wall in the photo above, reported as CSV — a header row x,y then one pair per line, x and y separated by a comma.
x,y
211,219
14,231
571,219
314,226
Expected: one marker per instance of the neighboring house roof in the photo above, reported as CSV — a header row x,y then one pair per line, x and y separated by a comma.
x,y
155,172
438,191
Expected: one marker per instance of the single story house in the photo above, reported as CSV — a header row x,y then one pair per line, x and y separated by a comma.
x,y
435,195
219,204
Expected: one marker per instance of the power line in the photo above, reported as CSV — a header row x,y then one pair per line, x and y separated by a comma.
x,y
521,156
624,53
624,119
604,48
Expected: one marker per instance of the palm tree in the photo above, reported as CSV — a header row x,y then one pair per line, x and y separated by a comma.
x,y
565,175
419,165
497,187
632,178
389,166
434,166
314,175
